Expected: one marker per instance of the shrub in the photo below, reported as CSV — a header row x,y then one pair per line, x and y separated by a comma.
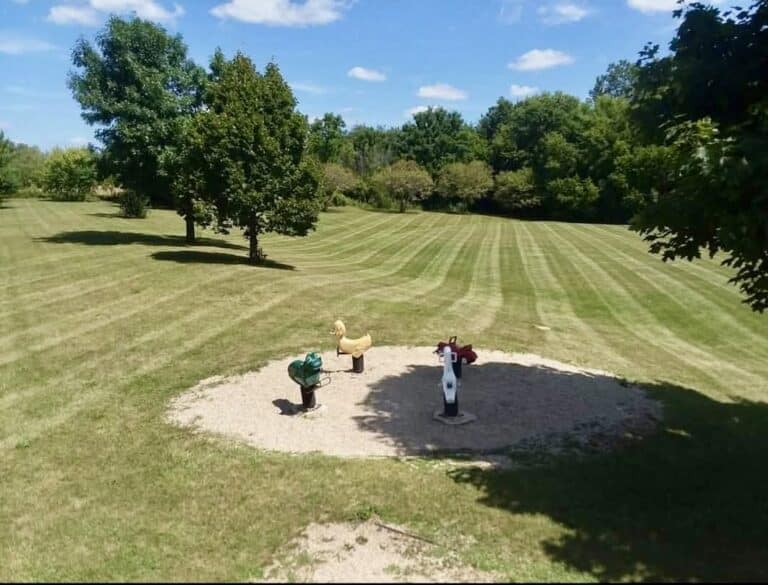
x,y
461,184
404,181
515,190
70,174
575,197
337,182
31,192
133,204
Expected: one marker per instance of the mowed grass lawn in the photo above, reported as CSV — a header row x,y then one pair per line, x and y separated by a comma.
x,y
103,320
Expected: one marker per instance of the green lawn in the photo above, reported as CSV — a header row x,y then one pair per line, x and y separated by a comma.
x,y
103,320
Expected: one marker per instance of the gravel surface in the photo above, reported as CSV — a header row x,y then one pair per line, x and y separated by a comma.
x,y
388,410
368,553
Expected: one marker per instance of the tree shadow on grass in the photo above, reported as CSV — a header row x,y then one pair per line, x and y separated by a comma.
x,y
201,257
687,503
118,238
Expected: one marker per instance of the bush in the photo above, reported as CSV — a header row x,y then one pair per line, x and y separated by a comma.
x,y
515,191
70,174
461,184
575,197
404,182
337,182
133,204
31,192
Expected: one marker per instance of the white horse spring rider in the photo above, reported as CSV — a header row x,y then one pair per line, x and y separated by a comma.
x,y
450,384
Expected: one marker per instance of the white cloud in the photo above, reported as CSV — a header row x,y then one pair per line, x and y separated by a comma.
x,y
538,59
283,12
521,91
78,141
64,14
416,110
366,74
650,6
307,87
562,13
13,44
92,12
442,91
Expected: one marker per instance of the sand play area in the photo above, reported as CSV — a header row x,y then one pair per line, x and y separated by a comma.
x,y
369,552
388,410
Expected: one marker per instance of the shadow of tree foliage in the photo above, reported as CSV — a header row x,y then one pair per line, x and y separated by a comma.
x,y
201,257
512,402
688,503
118,238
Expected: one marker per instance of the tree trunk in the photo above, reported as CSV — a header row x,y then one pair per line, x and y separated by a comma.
x,y
254,254
190,221
402,206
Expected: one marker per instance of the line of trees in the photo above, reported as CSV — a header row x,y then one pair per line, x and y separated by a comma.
x,y
225,147
674,144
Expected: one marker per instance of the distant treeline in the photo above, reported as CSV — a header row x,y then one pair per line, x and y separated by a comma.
x,y
547,156
674,144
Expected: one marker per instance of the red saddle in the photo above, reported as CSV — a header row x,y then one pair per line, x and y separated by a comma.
x,y
462,353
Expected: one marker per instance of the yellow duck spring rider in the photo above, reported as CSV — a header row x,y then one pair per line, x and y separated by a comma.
x,y
354,347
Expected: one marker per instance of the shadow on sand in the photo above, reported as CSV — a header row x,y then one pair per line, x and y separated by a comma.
x,y
513,402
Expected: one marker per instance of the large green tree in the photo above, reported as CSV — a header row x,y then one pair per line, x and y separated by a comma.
x,y
437,137
515,131
137,85
371,148
246,153
706,103
618,81
326,138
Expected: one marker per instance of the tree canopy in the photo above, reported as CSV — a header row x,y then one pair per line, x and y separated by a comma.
x,y
136,84
706,106
437,137
618,81
246,153
326,138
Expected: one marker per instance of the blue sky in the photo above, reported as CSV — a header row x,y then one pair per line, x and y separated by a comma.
x,y
372,61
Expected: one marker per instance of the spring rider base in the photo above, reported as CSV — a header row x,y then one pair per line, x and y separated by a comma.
x,y
306,373
354,347
450,386
308,398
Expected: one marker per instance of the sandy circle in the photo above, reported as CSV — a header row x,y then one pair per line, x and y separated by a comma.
x,y
388,410
369,552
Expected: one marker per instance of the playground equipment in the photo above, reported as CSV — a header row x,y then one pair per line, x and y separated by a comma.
x,y
464,354
450,384
354,347
306,373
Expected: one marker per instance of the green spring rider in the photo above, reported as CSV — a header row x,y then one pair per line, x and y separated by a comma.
x,y
306,373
